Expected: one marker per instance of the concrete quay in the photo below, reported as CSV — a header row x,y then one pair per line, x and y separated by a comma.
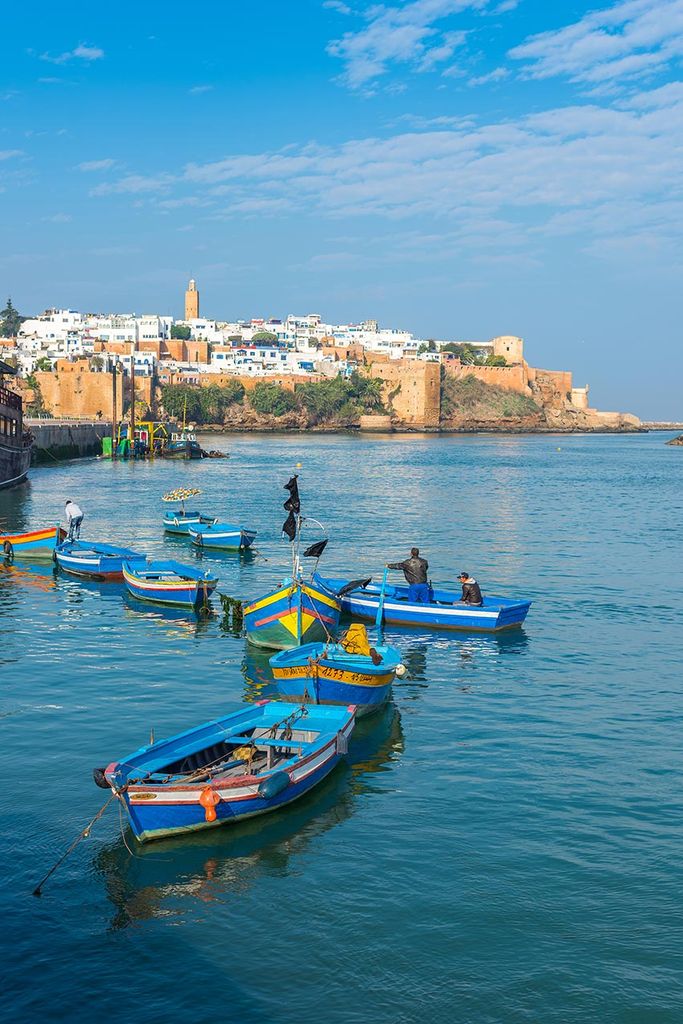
x,y
66,438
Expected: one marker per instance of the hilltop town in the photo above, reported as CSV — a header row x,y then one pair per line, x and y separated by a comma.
x,y
299,373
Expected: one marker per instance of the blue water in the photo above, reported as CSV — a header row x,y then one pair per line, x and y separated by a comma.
x,y
505,842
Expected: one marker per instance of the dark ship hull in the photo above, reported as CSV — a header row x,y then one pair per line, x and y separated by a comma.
x,y
14,464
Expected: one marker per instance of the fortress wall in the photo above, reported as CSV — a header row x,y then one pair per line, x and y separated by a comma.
x,y
511,378
414,389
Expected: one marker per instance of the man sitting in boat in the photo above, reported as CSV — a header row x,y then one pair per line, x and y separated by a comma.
x,y
74,518
471,592
415,571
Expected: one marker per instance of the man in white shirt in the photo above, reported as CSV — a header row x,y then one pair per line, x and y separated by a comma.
x,y
74,518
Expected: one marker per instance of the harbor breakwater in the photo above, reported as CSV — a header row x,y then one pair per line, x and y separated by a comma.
x,y
66,439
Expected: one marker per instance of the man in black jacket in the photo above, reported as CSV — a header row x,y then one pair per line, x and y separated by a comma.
x,y
471,593
415,571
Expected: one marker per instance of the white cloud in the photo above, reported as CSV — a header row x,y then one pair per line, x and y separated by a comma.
x,y
497,75
9,154
337,5
96,165
624,41
197,90
404,34
80,52
134,184
591,171
58,218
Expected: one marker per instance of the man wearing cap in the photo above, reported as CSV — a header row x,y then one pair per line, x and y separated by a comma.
x,y
415,571
471,592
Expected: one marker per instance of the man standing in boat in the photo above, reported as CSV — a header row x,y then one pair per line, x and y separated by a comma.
x,y
471,591
415,571
74,518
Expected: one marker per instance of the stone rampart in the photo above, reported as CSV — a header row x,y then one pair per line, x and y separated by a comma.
x,y
412,389
511,378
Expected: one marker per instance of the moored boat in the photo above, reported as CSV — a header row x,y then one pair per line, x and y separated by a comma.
x,y
298,611
168,582
347,672
247,763
179,521
16,443
445,610
95,560
221,535
34,544
182,446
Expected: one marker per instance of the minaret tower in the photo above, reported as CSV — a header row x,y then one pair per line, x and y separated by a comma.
x,y
192,301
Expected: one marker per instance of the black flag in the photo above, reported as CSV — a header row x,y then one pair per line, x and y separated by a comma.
x,y
289,526
315,550
293,504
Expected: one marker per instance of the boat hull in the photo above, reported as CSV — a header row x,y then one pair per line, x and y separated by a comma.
x,y
222,538
180,594
180,523
327,674
35,544
294,614
158,810
182,450
78,559
445,612
14,464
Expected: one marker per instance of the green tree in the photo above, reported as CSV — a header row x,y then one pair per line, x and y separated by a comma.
x,y
340,398
181,331
495,360
272,400
43,364
10,321
266,336
200,405
427,346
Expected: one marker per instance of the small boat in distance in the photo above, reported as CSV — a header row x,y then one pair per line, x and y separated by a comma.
x,y
183,446
35,544
169,582
445,611
348,672
181,522
250,762
221,535
95,560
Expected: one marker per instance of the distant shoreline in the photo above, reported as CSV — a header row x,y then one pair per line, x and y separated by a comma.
x,y
436,431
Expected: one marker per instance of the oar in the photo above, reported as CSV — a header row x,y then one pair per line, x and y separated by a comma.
x,y
380,606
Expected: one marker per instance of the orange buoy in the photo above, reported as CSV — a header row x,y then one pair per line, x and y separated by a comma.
x,y
208,799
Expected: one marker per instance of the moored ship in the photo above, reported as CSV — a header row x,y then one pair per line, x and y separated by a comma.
x,y
15,443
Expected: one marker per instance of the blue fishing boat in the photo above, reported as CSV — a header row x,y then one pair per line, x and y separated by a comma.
x,y
298,611
347,672
34,544
250,762
179,520
95,560
182,522
169,583
223,536
361,598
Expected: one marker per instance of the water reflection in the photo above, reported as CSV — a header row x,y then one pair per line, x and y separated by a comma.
x,y
175,622
258,677
212,866
26,574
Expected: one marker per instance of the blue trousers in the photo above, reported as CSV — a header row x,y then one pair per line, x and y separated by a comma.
x,y
418,593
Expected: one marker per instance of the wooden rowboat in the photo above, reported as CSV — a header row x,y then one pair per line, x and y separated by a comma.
x,y
248,763
221,535
348,672
445,611
169,583
35,544
94,560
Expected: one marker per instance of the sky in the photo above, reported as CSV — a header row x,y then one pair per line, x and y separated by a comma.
x,y
457,168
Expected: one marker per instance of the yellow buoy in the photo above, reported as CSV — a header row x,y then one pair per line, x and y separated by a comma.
x,y
298,465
